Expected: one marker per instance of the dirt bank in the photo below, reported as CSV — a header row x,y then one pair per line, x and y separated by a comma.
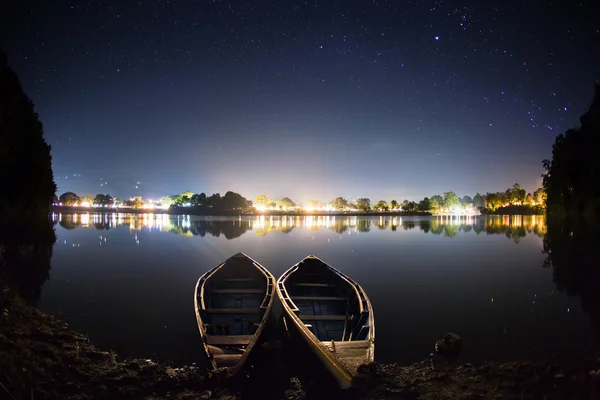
x,y
41,357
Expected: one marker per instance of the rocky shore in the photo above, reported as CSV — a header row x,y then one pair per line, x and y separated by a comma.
x,y
41,357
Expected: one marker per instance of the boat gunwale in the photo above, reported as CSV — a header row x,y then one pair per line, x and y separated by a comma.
x,y
343,376
199,293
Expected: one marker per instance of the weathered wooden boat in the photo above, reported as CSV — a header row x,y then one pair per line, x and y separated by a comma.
x,y
333,315
233,302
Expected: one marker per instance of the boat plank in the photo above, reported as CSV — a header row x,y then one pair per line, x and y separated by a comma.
x,y
323,317
313,284
318,298
226,360
233,310
229,340
238,291
239,279
351,344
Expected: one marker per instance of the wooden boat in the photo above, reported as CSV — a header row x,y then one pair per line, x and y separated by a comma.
x,y
333,315
233,302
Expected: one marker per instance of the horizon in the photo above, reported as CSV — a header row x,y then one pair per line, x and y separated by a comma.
x,y
309,101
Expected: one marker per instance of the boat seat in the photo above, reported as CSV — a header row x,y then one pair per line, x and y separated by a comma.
x,y
228,340
313,284
325,317
226,360
318,298
238,291
233,310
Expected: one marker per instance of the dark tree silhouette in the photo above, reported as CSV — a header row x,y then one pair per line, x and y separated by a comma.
x,y
572,178
26,176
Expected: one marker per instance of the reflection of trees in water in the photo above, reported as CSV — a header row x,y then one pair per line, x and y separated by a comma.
x,y
363,225
514,228
340,226
572,249
25,253
229,229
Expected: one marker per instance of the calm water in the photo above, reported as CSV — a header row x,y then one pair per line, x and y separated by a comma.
x,y
128,280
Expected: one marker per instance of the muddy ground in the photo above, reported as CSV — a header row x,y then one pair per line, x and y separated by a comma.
x,y
41,357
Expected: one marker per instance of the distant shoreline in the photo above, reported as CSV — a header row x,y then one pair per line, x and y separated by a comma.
x,y
185,211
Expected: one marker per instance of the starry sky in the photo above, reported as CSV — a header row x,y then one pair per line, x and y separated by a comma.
x,y
310,100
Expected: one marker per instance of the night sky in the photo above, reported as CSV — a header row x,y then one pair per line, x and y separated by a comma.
x,y
383,99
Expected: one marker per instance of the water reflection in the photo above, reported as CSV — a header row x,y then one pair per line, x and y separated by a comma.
x,y
572,250
513,227
25,251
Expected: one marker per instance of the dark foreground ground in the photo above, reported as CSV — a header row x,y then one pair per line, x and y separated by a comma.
x,y
41,357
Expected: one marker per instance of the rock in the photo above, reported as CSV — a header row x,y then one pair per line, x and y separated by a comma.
x,y
471,396
441,377
484,369
450,345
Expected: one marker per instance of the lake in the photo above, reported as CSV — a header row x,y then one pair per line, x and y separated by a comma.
x,y
127,280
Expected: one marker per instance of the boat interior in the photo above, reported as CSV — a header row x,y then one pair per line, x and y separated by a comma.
x,y
329,305
235,298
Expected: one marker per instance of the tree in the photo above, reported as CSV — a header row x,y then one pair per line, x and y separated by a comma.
x,y
26,176
394,205
381,205
214,200
424,205
466,200
339,203
261,200
539,197
436,201
516,195
451,200
233,201
68,199
363,204
198,200
409,206
286,202
103,200
478,201
572,177
313,205
135,202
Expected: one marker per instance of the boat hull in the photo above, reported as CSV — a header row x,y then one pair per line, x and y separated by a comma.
x,y
233,302
332,314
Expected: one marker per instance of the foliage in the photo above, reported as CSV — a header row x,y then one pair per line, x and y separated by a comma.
x,y
424,205
25,161
262,200
436,202
286,202
381,205
339,203
478,201
68,199
466,200
572,177
539,197
451,200
363,204
313,204
103,200
394,205
233,201
198,200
